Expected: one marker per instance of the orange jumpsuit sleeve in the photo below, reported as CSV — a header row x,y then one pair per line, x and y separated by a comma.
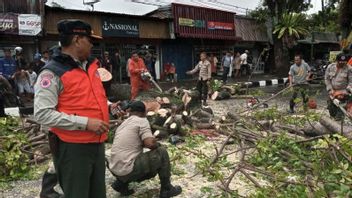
x,y
132,68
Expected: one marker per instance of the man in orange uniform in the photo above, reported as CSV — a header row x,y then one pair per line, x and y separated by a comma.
x,y
136,67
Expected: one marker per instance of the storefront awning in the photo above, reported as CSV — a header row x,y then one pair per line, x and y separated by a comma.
x,y
320,37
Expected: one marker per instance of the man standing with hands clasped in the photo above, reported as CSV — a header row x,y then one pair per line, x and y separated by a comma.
x,y
70,98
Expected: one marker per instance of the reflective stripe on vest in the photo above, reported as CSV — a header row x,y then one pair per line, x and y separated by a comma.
x,y
83,95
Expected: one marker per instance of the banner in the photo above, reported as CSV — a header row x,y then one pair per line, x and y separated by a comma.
x,y
120,28
212,25
8,23
191,23
29,24
186,22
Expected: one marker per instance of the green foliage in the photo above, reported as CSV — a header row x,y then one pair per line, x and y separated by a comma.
x,y
311,161
291,25
14,163
215,85
194,141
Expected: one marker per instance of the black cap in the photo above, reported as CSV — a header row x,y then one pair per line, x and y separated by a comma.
x,y
75,27
342,57
137,106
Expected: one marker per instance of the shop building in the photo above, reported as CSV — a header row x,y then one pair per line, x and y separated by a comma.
x,y
21,25
121,33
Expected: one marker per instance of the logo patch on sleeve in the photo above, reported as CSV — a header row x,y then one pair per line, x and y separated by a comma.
x,y
45,82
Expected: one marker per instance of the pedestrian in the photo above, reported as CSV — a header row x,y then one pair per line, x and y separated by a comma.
x,y
136,67
299,75
244,63
225,65
21,62
38,63
8,66
204,69
32,77
213,61
231,65
129,163
116,66
237,65
338,81
46,57
106,63
70,99
150,63
22,82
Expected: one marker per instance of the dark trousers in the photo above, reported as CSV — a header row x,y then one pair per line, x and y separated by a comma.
x,y
107,87
245,67
148,165
80,169
202,88
225,74
303,90
2,106
335,111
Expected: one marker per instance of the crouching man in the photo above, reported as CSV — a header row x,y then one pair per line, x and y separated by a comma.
x,y
128,162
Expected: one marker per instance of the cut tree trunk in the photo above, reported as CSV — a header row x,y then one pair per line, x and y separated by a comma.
x,y
335,127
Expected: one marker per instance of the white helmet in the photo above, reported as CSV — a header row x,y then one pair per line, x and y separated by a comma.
x,y
18,50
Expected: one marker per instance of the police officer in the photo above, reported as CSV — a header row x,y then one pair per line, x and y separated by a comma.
x,y
338,80
70,98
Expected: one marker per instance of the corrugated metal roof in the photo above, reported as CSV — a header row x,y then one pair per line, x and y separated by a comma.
x,y
320,37
250,30
105,6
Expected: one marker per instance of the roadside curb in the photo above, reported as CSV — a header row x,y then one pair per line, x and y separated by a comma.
x,y
263,83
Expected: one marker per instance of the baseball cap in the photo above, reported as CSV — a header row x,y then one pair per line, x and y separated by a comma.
x,y
76,27
137,106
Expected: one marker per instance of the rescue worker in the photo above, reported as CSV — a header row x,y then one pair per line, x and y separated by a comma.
x,y
70,98
128,162
338,81
204,68
299,76
136,67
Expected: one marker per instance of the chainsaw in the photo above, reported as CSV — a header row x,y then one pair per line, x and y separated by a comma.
x,y
344,106
146,76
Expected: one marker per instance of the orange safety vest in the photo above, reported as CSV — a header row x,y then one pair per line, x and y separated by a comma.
x,y
350,62
83,95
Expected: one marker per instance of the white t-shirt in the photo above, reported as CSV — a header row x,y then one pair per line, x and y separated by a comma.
x,y
32,77
243,59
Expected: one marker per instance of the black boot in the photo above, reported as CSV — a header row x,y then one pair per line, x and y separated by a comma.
x,y
122,188
48,183
171,191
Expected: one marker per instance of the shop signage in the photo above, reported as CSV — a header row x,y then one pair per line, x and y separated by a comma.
x,y
212,25
20,24
120,28
9,23
191,22
29,24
